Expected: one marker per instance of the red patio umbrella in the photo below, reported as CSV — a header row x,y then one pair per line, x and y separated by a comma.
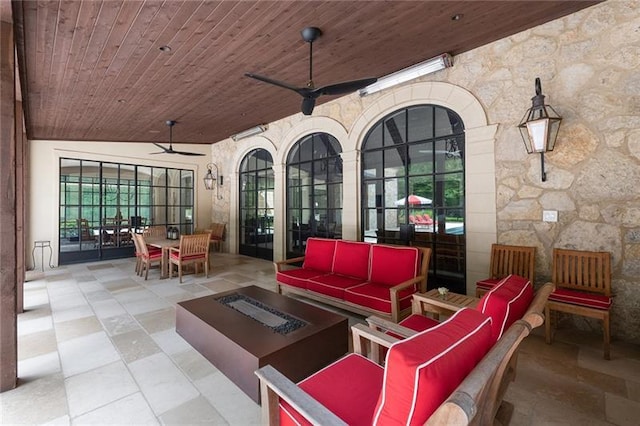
x,y
413,200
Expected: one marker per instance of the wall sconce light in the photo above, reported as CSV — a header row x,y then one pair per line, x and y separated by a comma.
x,y
213,180
255,130
539,127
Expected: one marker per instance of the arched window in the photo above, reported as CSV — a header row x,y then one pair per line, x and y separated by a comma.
x,y
314,191
413,187
256,205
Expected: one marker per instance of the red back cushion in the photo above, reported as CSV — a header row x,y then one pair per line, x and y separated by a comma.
x,y
352,259
506,303
423,370
393,265
319,254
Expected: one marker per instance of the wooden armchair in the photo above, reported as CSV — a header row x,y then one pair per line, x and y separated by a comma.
x,y
145,257
354,390
583,287
505,260
193,250
155,231
217,235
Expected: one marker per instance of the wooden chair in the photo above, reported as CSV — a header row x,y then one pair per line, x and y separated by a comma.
x,y
193,249
506,260
217,235
155,231
147,258
138,252
583,287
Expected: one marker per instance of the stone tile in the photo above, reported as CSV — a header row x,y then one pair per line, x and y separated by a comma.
x,y
36,300
90,286
234,405
33,325
147,305
135,345
99,266
59,421
159,320
35,401
193,364
77,328
237,278
118,285
170,342
196,411
72,313
119,324
82,278
624,368
633,390
622,411
219,286
162,383
108,308
36,344
113,380
130,410
58,277
86,353
193,288
166,289
39,366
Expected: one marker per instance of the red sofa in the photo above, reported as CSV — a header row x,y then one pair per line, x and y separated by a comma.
x,y
360,277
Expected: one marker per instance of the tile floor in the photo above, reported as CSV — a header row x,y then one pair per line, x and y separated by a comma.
x,y
97,345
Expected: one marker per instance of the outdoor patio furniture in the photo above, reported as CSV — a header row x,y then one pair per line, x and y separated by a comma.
x,y
583,287
147,258
506,260
193,250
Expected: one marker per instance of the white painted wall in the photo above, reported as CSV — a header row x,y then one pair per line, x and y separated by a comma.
x,y
44,190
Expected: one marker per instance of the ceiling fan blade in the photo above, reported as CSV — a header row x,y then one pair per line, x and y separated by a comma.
x,y
185,153
153,153
161,147
346,87
308,104
272,81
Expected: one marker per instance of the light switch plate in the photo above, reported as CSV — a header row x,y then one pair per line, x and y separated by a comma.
x,y
550,215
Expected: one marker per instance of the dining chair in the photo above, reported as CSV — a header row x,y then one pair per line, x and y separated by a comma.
x,y
506,260
138,252
147,258
155,231
193,249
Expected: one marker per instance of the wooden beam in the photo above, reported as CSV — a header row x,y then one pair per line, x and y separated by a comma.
x,y
8,264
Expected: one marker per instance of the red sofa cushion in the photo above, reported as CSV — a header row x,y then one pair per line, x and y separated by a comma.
x,y
487,284
377,296
352,259
423,370
176,256
506,303
597,301
319,254
393,265
332,284
297,277
418,322
349,388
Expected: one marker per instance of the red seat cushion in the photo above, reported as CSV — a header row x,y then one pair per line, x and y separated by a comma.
x,y
393,265
581,298
506,303
176,256
377,296
349,388
332,284
418,322
423,370
487,284
297,277
352,259
152,256
319,254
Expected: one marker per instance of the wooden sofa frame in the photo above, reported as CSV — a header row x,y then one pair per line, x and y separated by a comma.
x,y
396,315
476,401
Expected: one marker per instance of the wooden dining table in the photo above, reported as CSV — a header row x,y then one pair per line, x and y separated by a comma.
x,y
165,244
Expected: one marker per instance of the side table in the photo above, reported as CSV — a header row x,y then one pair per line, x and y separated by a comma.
x,y
432,303
41,244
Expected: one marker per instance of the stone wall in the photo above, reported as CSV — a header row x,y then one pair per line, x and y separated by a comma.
x,y
588,65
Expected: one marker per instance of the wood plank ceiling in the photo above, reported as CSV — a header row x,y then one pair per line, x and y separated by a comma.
x,y
94,71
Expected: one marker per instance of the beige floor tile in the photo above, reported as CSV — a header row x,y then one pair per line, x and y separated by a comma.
x,y
170,342
35,401
108,308
196,411
72,313
220,285
115,286
113,381
77,328
234,405
36,344
39,366
193,364
34,325
86,353
633,390
159,320
162,383
622,411
119,324
130,410
135,345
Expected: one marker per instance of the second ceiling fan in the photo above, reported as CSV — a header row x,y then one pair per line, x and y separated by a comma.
x,y
310,93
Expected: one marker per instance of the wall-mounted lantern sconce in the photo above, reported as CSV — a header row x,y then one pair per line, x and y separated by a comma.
x,y
212,180
539,127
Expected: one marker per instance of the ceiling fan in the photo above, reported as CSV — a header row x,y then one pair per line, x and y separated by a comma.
x,y
310,93
170,150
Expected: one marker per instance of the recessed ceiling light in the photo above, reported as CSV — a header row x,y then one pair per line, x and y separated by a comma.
x,y
165,48
122,101
457,17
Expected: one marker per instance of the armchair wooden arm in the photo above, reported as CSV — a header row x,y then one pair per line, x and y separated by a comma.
x,y
395,300
376,338
282,263
382,324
